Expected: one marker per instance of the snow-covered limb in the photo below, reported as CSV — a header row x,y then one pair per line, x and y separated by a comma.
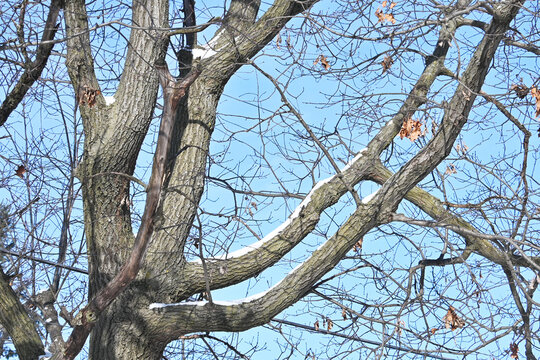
x,y
354,160
245,300
208,50
47,356
203,53
294,215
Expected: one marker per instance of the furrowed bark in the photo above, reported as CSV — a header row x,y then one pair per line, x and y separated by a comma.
x,y
186,181
244,267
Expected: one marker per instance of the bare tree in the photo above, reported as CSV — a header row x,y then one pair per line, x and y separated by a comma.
x,y
423,243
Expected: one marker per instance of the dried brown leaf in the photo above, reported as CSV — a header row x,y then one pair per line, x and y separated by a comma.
x,y
387,63
521,90
400,325
329,324
450,169
452,320
358,246
316,325
384,17
20,171
88,97
411,129
324,62
514,351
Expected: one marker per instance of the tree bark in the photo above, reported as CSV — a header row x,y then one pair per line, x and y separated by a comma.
x,y
19,326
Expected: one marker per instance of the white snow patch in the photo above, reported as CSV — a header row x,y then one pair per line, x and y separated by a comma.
x,y
41,291
48,320
253,246
47,356
109,100
203,53
358,156
208,50
369,197
307,199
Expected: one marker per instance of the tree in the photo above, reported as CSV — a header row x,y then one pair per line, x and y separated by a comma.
x,y
447,226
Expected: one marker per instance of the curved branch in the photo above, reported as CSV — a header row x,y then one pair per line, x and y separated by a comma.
x,y
457,113
147,46
255,258
235,267
172,320
79,62
475,240
525,46
197,119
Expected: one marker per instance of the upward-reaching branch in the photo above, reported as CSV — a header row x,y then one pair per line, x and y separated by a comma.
x,y
230,49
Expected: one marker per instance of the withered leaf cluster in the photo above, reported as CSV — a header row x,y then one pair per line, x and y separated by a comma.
x,y
452,320
411,129
88,97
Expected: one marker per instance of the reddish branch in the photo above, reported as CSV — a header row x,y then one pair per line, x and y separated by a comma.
x,y
173,91
34,68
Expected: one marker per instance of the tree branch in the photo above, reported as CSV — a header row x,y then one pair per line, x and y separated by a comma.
x,y
33,69
172,320
230,270
197,120
457,113
476,241
15,320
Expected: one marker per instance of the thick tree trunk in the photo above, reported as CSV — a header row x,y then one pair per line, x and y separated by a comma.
x,y
119,335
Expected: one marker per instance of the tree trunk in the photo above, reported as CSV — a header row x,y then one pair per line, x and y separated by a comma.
x,y
119,335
